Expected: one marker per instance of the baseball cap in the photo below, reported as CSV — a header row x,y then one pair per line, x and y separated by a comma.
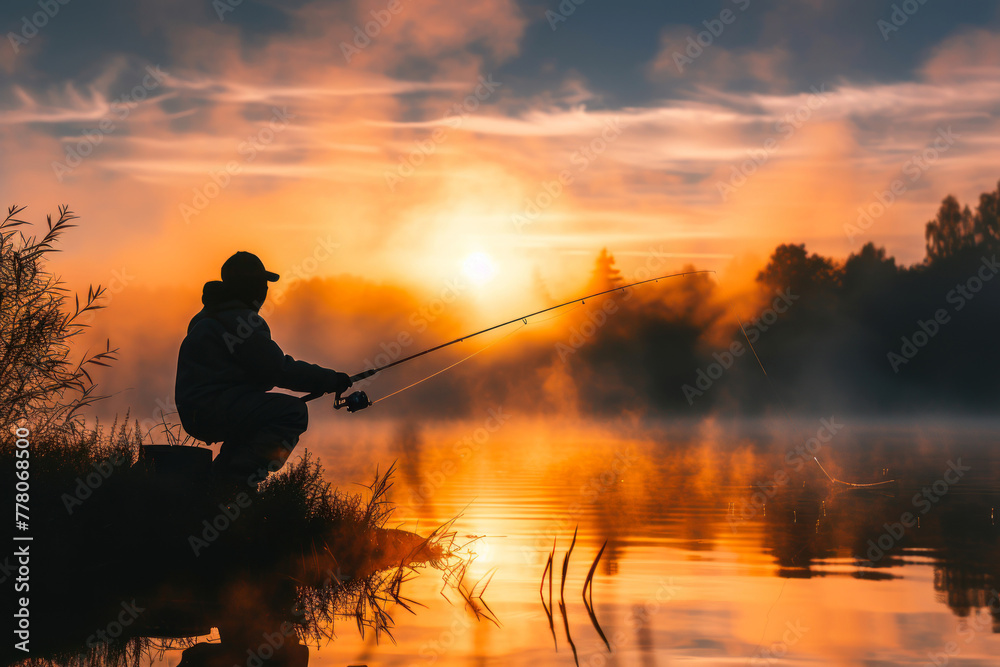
x,y
244,265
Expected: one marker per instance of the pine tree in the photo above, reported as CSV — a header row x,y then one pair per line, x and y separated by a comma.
x,y
605,275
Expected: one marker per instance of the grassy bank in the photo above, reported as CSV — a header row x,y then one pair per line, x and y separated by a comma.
x,y
111,533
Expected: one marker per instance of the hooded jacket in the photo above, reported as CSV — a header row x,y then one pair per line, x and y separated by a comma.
x,y
228,352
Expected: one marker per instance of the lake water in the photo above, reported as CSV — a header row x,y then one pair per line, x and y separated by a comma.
x,y
726,542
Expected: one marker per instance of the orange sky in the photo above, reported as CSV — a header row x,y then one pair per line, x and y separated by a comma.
x,y
308,149
320,175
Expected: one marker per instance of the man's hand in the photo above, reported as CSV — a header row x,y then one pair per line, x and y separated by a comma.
x,y
339,382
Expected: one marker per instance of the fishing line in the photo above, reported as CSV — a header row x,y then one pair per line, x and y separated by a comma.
x,y
784,408
523,318
763,370
482,349
359,400
554,317
789,419
840,481
781,591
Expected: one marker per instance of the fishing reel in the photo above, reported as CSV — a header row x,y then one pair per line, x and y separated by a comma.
x,y
356,401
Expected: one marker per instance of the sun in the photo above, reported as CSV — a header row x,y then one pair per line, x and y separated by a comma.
x,y
479,268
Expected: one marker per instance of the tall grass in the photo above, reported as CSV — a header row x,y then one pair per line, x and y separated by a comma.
x,y
41,384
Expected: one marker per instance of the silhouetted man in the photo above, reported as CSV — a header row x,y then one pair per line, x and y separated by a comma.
x,y
226,368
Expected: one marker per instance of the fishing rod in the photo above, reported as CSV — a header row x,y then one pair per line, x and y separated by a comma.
x,y
359,399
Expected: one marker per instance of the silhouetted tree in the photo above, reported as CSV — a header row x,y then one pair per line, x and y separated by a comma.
x,y
792,267
605,274
868,270
987,219
950,232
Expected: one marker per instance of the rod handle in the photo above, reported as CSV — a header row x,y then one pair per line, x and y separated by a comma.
x,y
354,378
